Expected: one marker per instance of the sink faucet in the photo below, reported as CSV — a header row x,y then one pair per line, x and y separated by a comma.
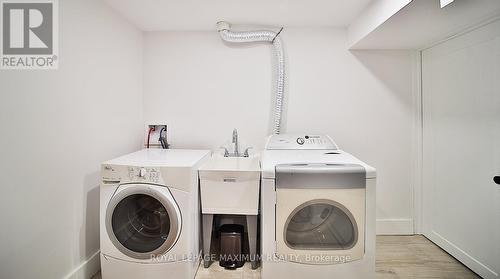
x,y
235,141
246,154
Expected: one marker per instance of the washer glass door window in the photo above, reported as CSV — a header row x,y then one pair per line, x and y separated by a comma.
x,y
141,223
143,220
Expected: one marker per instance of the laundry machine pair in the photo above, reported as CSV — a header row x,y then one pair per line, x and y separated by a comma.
x,y
149,214
317,210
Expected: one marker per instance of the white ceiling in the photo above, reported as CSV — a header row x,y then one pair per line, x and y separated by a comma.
x,y
421,24
154,15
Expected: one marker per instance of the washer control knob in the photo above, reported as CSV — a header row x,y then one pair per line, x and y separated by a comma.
x,y
300,141
142,172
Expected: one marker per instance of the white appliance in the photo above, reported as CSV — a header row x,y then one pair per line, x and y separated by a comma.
x,y
317,210
149,215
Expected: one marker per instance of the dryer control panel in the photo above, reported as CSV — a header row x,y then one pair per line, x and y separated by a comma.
x,y
300,141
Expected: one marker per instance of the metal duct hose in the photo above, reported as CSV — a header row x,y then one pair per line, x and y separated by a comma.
x,y
262,36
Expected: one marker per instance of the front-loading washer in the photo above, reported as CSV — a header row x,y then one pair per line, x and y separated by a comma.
x,y
149,217
317,210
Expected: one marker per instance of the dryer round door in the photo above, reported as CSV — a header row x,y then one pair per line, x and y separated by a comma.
x,y
320,226
143,220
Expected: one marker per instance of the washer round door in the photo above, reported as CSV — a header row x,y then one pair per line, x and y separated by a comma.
x,y
143,220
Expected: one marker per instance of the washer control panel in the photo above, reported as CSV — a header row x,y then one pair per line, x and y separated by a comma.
x,y
112,174
300,141
145,174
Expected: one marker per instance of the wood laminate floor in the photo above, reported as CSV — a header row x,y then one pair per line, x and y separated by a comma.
x,y
415,257
398,257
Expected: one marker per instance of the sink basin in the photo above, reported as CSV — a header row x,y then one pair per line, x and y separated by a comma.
x,y
230,185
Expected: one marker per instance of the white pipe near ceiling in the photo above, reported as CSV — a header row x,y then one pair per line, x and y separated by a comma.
x,y
228,35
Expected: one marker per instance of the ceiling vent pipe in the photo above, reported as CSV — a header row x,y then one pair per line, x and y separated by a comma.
x,y
272,37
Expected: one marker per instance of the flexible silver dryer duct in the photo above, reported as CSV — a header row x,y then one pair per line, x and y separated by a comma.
x,y
226,34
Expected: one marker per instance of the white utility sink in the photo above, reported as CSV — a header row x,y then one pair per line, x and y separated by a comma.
x,y
230,185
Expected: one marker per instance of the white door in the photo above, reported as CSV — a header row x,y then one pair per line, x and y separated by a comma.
x,y
461,104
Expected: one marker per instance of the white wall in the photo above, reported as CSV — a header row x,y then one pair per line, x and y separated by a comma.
x,y
57,126
203,88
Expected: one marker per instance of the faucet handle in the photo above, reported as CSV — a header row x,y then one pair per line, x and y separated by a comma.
x,y
226,152
246,152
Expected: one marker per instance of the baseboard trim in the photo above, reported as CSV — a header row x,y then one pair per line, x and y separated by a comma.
x,y
462,256
86,269
395,227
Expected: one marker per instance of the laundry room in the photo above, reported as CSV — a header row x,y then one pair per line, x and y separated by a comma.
x,y
250,139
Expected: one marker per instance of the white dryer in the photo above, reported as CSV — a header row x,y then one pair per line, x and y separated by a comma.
x,y
318,210
149,215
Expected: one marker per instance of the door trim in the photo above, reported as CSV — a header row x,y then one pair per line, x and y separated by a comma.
x,y
462,256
